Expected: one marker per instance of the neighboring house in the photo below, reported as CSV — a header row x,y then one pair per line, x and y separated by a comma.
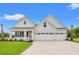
x,y
48,29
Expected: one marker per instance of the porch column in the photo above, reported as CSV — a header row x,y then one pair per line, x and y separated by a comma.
x,y
10,35
32,34
25,35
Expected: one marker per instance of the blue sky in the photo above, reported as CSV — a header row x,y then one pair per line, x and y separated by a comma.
x,y
67,14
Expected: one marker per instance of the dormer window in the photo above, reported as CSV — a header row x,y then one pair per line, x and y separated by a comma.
x,y
44,24
25,22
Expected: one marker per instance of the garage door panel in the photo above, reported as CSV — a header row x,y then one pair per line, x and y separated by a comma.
x,y
44,37
50,37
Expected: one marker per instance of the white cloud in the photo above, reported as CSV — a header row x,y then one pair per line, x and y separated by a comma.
x,y
73,5
13,17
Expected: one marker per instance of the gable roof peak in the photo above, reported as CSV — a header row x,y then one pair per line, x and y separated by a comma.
x,y
50,15
54,21
22,18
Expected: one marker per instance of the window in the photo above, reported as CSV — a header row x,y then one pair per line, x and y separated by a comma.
x,y
19,34
47,33
27,34
44,24
15,34
51,33
38,33
42,33
25,22
61,33
57,33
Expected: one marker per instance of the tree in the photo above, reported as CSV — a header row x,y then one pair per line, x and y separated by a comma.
x,y
5,35
76,32
73,33
68,33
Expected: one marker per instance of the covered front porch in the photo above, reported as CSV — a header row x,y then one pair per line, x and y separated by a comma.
x,y
22,34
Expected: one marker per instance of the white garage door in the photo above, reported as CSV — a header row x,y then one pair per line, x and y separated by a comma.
x,y
44,36
49,36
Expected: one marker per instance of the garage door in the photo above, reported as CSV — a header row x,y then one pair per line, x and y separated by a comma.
x,y
44,36
49,36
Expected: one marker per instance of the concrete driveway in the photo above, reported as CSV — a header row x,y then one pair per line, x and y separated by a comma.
x,y
52,48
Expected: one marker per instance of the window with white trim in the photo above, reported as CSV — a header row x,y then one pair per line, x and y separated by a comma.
x,y
44,24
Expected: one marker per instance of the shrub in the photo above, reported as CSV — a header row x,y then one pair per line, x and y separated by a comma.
x,y
30,40
11,39
1,40
15,39
67,39
6,40
71,38
21,40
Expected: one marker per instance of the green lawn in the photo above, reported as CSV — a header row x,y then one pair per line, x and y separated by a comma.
x,y
13,48
76,39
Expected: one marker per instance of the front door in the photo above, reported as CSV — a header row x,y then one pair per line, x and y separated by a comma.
x,y
29,34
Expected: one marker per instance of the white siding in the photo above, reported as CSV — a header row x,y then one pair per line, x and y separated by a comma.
x,y
41,29
21,23
55,22
49,29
